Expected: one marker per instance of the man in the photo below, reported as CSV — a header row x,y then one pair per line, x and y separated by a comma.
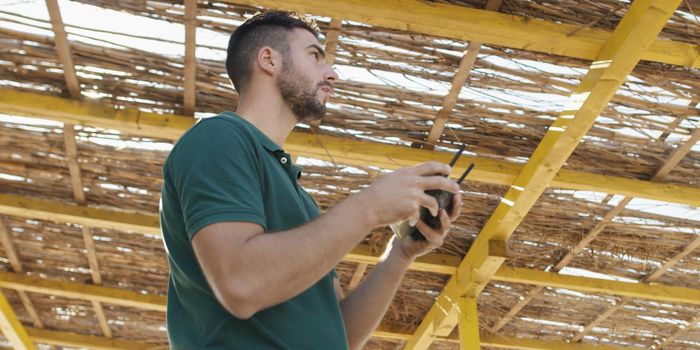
x,y
251,258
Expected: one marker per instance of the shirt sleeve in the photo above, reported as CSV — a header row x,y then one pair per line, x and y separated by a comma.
x,y
216,172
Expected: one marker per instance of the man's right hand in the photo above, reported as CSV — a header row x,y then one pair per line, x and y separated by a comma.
x,y
399,195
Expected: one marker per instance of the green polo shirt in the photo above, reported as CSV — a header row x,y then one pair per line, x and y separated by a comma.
x,y
225,169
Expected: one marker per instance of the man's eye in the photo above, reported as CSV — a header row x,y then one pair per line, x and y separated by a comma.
x,y
316,55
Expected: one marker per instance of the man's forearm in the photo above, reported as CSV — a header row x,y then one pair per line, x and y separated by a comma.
x,y
291,260
364,308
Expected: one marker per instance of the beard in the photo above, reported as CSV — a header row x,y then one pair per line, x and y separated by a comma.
x,y
298,95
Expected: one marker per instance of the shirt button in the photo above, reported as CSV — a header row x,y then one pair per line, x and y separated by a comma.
x,y
283,160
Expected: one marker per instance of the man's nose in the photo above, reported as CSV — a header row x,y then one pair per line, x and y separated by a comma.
x,y
330,74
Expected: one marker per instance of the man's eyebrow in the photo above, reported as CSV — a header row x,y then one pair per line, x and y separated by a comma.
x,y
318,48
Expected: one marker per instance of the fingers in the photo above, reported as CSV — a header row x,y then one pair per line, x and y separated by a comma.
x,y
438,183
430,203
431,168
433,236
456,206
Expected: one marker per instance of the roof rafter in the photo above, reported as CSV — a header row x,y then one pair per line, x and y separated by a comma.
x,y
190,73
459,22
342,150
634,34
63,49
458,81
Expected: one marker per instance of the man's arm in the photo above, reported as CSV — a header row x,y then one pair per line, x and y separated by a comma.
x,y
249,270
364,308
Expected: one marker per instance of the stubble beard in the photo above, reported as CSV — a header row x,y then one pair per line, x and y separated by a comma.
x,y
296,94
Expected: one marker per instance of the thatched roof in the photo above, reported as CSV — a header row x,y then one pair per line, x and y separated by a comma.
x,y
80,181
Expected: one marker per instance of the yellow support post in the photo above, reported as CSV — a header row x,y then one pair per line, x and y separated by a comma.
x,y
613,63
469,338
344,151
11,327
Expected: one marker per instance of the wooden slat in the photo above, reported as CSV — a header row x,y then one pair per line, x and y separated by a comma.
x,y
332,38
92,256
458,81
618,56
63,49
357,276
677,334
467,24
102,318
341,150
190,73
16,264
71,149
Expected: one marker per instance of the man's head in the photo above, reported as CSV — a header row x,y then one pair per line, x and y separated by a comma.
x,y
292,42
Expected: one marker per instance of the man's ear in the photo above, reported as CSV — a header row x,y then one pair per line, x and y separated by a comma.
x,y
269,60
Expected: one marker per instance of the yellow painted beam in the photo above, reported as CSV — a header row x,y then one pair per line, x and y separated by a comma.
x,y
75,340
11,328
660,292
387,333
534,344
492,28
613,63
42,209
469,338
82,291
342,150
436,263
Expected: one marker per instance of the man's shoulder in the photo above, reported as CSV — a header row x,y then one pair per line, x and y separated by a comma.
x,y
224,132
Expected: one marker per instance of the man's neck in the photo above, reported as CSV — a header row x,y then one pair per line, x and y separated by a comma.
x,y
275,120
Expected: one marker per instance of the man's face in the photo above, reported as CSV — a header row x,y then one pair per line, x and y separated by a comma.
x,y
306,79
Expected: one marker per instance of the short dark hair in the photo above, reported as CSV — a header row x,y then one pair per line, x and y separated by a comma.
x,y
264,29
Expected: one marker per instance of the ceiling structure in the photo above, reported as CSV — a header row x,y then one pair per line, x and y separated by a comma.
x,y
581,221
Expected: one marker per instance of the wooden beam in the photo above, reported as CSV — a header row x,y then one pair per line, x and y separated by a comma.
x,y
342,150
357,276
190,73
469,338
16,264
71,149
63,49
613,63
660,292
42,209
458,81
332,39
11,328
74,290
677,334
75,340
387,333
492,28
435,263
